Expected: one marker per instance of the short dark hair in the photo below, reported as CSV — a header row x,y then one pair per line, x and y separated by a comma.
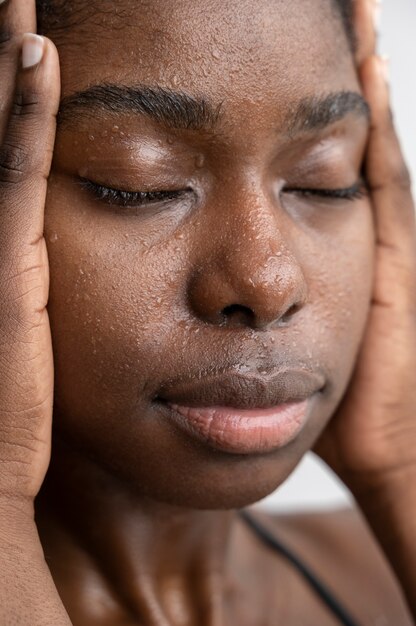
x,y
55,15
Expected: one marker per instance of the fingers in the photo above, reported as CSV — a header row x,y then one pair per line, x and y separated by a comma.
x,y
27,146
26,364
387,173
366,20
390,186
16,18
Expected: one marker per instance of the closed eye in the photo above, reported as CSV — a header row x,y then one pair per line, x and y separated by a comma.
x,y
356,192
123,198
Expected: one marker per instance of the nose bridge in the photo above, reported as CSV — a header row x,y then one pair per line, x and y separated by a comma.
x,y
257,256
251,266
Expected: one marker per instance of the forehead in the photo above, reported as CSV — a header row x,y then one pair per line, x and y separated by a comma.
x,y
253,49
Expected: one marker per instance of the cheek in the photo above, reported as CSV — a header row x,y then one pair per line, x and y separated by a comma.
x,y
113,309
340,278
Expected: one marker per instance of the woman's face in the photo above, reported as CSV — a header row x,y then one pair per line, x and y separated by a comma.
x,y
243,272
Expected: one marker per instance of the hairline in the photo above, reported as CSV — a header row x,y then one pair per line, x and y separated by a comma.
x,y
58,15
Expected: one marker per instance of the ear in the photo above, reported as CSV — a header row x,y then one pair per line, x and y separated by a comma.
x,y
365,23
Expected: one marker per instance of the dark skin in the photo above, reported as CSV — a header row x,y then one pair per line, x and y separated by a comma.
x,y
251,270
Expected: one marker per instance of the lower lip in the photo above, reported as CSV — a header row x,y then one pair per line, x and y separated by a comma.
x,y
239,431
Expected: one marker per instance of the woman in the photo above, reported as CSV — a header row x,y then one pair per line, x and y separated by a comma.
x,y
229,233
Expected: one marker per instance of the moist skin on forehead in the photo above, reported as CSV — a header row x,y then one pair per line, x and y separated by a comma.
x,y
58,15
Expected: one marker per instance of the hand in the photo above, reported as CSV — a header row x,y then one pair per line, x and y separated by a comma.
x,y
30,98
27,133
372,437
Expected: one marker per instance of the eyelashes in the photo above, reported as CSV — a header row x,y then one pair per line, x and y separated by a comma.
x,y
130,199
356,192
122,198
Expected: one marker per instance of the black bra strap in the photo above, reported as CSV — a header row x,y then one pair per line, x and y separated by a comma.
x,y
318,587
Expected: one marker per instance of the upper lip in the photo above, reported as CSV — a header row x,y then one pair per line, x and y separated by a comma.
x,y
244,391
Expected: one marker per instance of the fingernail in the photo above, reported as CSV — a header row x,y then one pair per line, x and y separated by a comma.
x,y
377,8
32,50
385,64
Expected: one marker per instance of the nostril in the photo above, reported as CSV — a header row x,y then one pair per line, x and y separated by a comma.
x,y
286,317
238,313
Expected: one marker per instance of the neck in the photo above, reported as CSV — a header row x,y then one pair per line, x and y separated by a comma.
x,y
169,565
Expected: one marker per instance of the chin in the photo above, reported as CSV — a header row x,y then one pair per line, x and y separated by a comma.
x,y
164,465
230,482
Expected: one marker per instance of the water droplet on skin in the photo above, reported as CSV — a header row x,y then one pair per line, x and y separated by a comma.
x,y
175,80
278,254
199,161
115,128
215,53
53,237
91,137
81,271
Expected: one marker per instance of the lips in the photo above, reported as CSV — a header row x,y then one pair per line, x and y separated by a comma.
x,y
243,413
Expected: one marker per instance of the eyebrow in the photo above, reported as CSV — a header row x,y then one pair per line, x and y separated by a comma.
x,y
316,113
174,109
180,110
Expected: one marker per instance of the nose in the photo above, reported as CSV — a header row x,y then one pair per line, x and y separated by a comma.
x,y
247,274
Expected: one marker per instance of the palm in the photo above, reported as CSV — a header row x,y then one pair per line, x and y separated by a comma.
x,y
27,131
374,429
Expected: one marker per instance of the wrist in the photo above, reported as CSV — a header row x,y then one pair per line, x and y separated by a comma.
x,y
17,517
383,487
28,594
18,531
388,501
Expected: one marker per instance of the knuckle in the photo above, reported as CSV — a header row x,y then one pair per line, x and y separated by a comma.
x,y
22,313
15,158
13,163
401,178
6,38
25,102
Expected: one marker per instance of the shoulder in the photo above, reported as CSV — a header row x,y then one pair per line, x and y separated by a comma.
x,y
341,550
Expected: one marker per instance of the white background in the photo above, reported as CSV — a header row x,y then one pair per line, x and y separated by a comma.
x,y
312,486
